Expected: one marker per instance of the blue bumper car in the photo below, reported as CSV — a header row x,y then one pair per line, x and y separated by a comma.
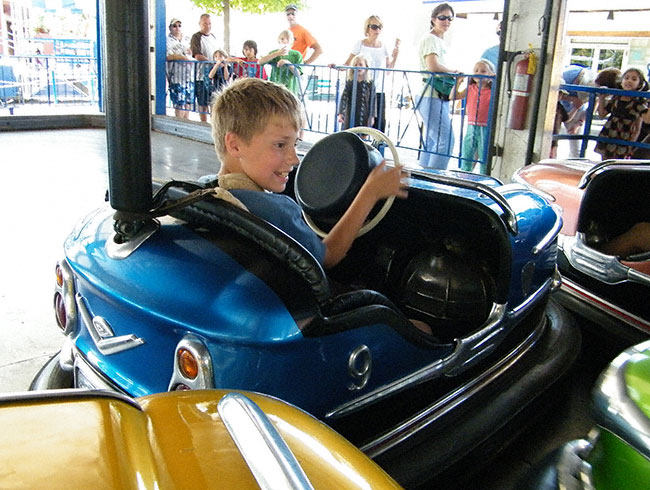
x,y
434,336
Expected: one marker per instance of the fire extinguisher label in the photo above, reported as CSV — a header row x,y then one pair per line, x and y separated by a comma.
x,y
521,83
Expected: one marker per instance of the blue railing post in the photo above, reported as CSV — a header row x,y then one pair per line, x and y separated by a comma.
x,y
161,57
56,101
587,127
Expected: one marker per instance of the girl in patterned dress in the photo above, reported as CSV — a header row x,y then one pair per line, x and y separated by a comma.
x,y
363,109
626,114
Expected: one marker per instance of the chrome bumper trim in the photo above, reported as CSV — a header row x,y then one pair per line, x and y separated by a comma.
x,y
575,290
468,351
437,410
86,377
261,445
604,268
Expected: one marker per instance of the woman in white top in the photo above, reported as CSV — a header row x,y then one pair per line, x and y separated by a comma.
x,y
376,53
432,105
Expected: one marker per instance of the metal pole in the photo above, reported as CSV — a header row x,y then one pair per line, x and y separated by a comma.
x,y
125,50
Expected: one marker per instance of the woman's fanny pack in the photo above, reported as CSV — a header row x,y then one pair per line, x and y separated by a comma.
x,y
442,84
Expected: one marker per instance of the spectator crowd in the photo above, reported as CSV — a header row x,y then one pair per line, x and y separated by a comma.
x,y
209,69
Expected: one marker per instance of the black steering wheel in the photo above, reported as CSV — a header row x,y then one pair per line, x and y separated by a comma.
x,y
332,172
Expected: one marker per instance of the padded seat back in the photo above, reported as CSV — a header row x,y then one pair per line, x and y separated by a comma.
x,y
211,212
614,201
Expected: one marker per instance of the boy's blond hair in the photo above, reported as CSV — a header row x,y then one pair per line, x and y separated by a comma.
x,y
288,34
246,106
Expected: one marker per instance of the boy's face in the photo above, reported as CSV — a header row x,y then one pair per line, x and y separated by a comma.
x,y
269,156
283,40
249,52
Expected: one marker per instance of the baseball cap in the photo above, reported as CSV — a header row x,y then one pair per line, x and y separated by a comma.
x,y
174,20
291,6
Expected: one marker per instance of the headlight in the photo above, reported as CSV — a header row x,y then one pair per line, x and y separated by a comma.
x,y
65,308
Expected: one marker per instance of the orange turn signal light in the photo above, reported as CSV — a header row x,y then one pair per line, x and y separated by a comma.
x,y
59,276
188,364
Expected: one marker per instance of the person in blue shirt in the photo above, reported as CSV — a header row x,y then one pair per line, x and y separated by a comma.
x,y
256,126
572,107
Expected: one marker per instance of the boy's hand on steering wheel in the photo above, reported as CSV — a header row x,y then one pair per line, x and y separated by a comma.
x,y
385,181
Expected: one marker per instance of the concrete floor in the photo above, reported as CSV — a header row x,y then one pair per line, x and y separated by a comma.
x,y
52,178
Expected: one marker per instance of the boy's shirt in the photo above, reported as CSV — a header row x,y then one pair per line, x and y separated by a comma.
x,y
249,69
285,214
218,79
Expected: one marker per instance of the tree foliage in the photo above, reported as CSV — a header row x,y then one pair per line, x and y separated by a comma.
x,y
251,6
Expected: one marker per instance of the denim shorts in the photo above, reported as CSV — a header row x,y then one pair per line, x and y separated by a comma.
x,y
204,92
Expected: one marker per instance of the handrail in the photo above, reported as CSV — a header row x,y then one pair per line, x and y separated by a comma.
x,y
265,451
398,90
598,168
586,133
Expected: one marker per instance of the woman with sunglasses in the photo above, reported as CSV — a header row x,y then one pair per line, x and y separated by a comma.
x,y
433,105
376,53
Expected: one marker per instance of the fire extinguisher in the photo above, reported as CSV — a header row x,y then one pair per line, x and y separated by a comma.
x,y
520,90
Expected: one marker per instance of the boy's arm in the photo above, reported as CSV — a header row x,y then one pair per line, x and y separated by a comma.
x,y
213,71
270,56
296,59
382,182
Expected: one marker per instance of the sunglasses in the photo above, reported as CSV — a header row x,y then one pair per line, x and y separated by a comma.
x,y
375,27
290,13
445,17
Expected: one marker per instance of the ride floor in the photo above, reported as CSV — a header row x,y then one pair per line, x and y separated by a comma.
x,y
52,178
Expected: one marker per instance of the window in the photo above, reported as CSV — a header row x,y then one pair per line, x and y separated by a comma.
x,y
597,53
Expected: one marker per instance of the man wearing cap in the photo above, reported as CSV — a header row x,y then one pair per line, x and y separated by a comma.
x,y
302,37
179,75
203,45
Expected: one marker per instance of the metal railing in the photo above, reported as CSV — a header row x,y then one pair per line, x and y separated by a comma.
x,y
320,91
592,124
67,79
47,79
